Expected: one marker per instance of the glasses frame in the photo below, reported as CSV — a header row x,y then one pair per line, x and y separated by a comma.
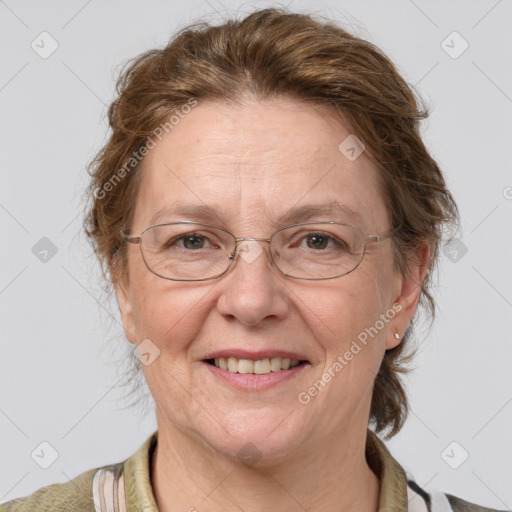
x,y
137,240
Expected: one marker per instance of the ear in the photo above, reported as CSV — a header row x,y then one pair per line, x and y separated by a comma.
x,y
408,294
125,309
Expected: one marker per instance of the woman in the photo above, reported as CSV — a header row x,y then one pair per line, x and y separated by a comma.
x,y
269,218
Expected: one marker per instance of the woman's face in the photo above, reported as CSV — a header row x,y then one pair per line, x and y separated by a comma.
x,y
251,165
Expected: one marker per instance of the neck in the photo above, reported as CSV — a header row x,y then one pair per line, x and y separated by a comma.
x,y
332,476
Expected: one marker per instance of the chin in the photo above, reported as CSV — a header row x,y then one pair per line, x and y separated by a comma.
x,y
256,437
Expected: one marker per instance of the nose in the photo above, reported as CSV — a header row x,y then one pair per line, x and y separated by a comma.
x,y
253,290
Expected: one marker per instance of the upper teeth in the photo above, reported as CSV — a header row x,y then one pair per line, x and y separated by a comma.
x,y
259,367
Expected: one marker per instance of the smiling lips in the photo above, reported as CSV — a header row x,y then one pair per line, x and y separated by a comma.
x,y
249,371
256,363
257,367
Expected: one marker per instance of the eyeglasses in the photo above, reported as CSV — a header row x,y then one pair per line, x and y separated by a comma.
x,y
191,251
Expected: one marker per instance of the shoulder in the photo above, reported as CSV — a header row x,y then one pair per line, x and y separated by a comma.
x,y
420,500
460,505
437,501
399,490
73,496
121,486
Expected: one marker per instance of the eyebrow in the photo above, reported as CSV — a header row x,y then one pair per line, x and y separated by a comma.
x,y
301,213
334,210
186,212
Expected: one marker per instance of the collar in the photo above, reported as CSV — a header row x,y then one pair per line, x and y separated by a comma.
x,y
393,481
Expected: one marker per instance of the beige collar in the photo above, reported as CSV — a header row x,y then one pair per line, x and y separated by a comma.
x,y
393,483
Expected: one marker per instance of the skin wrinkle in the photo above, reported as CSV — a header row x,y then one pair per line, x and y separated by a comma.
x,y
254,306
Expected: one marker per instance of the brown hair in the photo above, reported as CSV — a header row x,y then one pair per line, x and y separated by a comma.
x,y
272,53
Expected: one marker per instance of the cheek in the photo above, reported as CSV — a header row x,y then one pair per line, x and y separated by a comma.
x,y
169,313
349,324
350,312
345,321
171,316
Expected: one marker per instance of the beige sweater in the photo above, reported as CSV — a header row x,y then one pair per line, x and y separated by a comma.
x,y
126,487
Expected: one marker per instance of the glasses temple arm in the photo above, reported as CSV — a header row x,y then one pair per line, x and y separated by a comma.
x,y
131,239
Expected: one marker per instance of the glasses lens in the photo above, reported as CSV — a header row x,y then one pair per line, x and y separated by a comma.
x,y
318,251
187,250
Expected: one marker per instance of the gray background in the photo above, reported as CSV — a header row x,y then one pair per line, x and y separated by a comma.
x,y
60,347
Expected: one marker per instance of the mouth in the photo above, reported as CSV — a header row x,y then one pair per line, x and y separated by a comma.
x,y
261,366
255,370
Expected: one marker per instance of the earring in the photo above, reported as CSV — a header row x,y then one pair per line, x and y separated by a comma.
x,y
397,336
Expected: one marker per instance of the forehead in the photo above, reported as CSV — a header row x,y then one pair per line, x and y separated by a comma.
x,y
258,162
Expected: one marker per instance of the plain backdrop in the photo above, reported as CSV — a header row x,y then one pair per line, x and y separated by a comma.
x,y
60,348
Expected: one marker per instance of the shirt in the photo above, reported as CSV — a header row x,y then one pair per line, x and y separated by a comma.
x,y
126,487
